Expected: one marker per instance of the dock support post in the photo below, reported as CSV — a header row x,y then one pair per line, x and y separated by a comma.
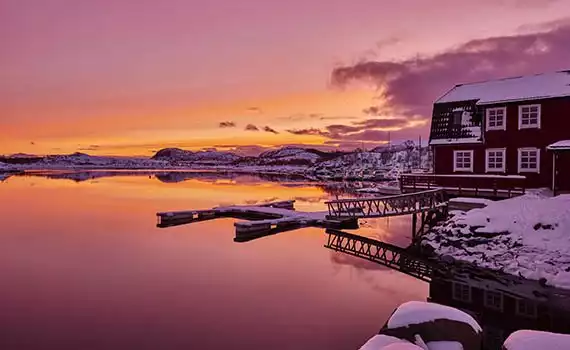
x,y
414,224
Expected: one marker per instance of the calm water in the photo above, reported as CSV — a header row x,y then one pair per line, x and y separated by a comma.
x,y
84,267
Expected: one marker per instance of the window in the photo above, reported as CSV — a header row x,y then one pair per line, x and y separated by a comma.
x,y
496,118
529,117
526,308
463,161
457,118
495,160
529,160
461,292
494,300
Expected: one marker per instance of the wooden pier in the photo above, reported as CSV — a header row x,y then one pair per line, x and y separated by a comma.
x,y
378,207
260,220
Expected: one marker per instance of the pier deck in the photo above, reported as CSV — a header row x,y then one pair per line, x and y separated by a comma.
x,y
261,220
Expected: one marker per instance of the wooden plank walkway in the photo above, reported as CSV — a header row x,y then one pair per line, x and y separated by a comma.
x,y
411,203
260,220
382,253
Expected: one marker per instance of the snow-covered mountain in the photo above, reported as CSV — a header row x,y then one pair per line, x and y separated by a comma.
x,y
202,157
381,163
214,157
295,156
173,154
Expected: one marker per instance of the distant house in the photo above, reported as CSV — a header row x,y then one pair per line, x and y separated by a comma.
x,y
505,134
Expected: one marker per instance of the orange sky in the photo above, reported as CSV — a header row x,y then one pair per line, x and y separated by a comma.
x,y
131,77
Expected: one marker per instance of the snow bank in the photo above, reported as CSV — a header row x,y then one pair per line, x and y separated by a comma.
x,y
527,236
481,201
415,312
380,341
444,345
533,340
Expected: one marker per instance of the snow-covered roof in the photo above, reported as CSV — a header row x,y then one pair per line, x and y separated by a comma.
x,y
414,312
530,87
560,145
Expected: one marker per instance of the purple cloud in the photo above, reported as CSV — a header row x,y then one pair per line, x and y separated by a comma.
x,y
412,85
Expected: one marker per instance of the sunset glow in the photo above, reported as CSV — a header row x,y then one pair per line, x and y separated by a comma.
x,y
131,77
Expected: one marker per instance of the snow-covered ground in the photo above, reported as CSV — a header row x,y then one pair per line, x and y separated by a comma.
x,y
526,236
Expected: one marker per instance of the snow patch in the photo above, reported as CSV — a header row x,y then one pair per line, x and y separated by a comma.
x,y
444,345
414,312
533,340
380,341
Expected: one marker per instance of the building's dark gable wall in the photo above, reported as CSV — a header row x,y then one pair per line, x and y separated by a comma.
x,y
555,126
442,126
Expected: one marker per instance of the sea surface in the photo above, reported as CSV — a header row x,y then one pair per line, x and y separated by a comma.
x,y
83,266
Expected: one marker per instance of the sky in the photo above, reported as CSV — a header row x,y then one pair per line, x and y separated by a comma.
x,y
130,77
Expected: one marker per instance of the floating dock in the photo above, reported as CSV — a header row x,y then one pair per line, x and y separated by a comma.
x,y
259,220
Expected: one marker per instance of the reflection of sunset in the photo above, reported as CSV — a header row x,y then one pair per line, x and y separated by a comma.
x,y
87,257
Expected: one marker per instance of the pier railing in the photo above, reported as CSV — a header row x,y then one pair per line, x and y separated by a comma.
x,y
382,253
374,207
492,186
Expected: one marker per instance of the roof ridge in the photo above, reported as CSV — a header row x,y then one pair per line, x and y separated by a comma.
x,y
512,77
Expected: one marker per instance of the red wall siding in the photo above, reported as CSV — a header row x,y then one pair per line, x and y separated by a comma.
x,y
555,126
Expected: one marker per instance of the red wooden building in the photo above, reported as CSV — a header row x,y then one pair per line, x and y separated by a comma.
x,y
506,134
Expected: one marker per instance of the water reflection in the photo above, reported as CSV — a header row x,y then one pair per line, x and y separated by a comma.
x,y
501,307
84,267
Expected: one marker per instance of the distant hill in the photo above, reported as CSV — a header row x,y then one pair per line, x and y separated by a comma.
x,y
202,157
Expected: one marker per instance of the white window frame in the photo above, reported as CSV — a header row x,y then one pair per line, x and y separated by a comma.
x,y
528,170
488,118
528,305
538,117
495,170
455,168
460,297
493,294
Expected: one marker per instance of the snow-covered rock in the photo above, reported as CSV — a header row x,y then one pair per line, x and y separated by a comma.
x,y
383,342
535,340
526,236
415,312
444,345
